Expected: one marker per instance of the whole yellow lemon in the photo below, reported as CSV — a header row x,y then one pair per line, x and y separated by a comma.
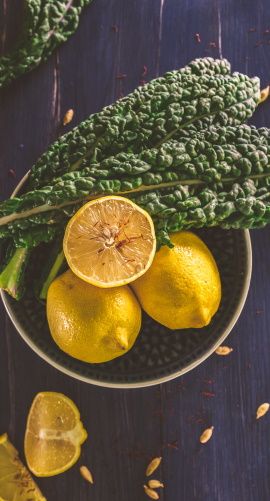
x,y
89,323
182,288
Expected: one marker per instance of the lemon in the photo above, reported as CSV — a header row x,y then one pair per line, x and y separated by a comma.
x,y
16,482
90,323
109,242
182,288
54,434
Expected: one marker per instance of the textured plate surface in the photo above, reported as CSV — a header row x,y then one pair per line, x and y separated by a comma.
x,y
159,353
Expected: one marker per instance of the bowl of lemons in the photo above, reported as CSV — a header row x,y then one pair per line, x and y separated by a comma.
x,y
126,311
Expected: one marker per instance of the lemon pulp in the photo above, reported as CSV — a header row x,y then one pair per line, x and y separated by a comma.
x,y
109,242
54,434
16,482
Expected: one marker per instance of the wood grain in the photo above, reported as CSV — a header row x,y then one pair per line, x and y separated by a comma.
x,y
127,428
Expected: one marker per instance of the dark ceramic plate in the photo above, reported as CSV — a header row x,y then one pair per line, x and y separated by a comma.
x,y
159,353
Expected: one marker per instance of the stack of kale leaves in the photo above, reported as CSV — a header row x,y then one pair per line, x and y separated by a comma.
x,y
177,146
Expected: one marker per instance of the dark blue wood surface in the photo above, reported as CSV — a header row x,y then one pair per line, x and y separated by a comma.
x,y
127,428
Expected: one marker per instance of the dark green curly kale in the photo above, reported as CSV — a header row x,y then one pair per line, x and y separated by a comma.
x,y
245,204
140,147
219,155
242,204
151,115
48,23
232,162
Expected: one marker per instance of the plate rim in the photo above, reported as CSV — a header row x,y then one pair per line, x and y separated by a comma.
x,y
139,384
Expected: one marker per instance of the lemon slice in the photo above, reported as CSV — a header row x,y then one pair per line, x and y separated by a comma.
x,y
54,434
15,480
109,242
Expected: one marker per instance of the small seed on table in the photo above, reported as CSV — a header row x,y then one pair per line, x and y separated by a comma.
x,y
264,94
262,410
68,117
150,492
155,484
206,435
223,350
86,474
153,465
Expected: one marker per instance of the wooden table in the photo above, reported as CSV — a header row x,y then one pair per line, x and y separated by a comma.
x,y
106,57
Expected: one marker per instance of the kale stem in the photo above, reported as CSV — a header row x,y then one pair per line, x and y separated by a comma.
x,y
11,277
51,275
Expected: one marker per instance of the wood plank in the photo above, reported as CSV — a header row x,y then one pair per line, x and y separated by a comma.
x,y
127,428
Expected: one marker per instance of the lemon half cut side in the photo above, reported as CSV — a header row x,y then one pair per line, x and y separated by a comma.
x,y
110,242
54,434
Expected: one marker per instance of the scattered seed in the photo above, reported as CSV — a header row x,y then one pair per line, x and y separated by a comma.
x,y
198,37
150,492
212,45
68,117
144,71
155,484
153,465
142,82
206,435
86,474
209,381
264,94
115,28
121,76
262,410
251,30
259,312
173,445
223,350
208,394
12,173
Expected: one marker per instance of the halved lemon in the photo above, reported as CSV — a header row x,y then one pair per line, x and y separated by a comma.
x,y
110,242
16,482
54,434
